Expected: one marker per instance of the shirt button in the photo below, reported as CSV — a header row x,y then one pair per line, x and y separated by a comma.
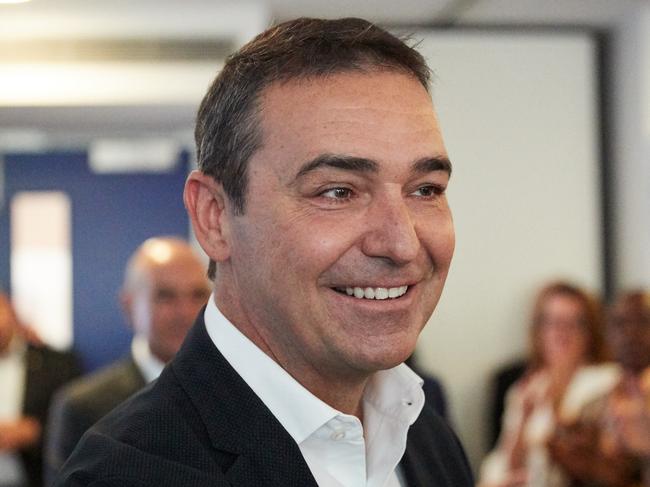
x,y
338,435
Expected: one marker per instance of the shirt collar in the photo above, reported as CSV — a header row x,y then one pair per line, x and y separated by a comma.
x,y
297,409
396,393
148,365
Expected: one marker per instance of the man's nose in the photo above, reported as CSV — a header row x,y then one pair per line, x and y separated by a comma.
x,y
391,231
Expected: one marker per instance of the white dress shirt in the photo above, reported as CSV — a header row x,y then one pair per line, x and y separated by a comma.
x,y
148,365
339,450
12,379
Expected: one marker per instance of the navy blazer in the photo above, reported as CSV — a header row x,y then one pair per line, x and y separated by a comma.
x,y
201,425
83,402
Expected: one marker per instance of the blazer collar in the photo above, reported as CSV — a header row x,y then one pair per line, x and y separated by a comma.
x,y
412,463
236,420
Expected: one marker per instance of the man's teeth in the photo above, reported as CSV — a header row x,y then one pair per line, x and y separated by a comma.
x,y
376,292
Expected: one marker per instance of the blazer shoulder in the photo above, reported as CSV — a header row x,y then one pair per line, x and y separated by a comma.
x,y
101,391
123,465
154,431
83,402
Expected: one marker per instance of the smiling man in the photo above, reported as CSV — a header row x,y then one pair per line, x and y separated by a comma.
x,y
320,199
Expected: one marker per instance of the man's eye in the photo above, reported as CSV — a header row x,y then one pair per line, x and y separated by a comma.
x,y
200,294
429,191
165,296
337,193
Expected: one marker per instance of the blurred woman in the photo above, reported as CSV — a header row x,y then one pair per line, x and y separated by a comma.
x,y
567,340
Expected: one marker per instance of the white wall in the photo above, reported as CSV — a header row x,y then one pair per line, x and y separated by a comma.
x,y
518,112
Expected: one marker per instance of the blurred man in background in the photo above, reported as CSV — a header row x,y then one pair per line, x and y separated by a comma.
x,y
628,413
164,289
29,374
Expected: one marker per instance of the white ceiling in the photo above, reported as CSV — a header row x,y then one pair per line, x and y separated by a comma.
x,y
195,18
555,12
238,21
595,13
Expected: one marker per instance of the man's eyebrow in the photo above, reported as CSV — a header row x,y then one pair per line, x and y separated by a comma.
x,y
348,163
361,164
431,164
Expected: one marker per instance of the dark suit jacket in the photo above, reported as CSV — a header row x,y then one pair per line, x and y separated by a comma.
x,y
83,402
502,380
200,425
46,371
434,394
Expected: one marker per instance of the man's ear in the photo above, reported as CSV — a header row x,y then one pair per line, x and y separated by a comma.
x,y
126,303
205,200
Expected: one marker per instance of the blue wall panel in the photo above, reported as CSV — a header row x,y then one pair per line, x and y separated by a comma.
x,y
111,215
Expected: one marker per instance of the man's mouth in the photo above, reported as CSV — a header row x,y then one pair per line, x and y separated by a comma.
x,y
373,292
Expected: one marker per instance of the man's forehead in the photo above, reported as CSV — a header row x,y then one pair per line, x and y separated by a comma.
x,y
333,113
384,118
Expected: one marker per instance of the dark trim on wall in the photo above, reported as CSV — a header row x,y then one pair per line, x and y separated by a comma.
x,y
607,173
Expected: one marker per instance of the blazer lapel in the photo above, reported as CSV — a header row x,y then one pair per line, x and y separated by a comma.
x,y
236,420
433,456
412,467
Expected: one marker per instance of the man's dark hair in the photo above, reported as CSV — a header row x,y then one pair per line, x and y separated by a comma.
x,y
228,130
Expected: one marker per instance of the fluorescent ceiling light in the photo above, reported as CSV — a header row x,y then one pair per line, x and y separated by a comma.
x,y
107,156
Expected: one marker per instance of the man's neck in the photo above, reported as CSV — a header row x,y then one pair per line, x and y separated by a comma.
x,y
342,391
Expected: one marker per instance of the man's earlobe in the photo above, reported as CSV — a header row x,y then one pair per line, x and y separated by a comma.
x,y
205,201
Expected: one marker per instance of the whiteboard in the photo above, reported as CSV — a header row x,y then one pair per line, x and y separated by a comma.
x,y
519,112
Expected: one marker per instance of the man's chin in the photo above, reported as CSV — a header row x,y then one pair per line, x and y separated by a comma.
x,y
383,360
